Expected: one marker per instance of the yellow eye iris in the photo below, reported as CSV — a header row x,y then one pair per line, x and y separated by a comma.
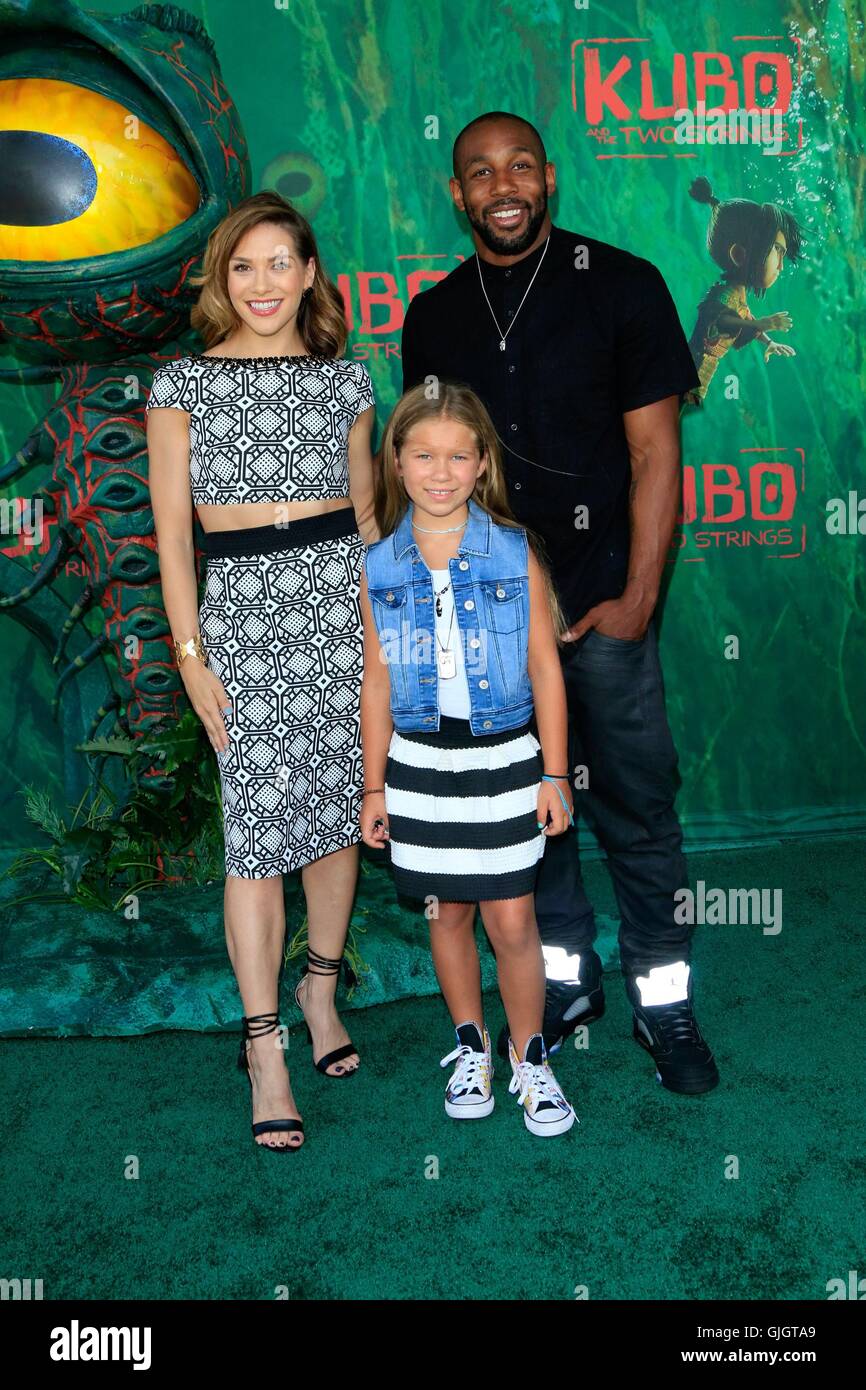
x,y
88,176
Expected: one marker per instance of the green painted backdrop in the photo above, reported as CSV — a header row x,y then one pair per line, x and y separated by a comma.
x,y
336,99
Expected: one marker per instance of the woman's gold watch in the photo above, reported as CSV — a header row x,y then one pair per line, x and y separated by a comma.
x,y
193,647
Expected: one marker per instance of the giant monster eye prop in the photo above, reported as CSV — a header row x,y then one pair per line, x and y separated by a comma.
x,y
120,151
82,175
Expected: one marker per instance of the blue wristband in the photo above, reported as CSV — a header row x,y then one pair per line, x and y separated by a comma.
x,y
554,780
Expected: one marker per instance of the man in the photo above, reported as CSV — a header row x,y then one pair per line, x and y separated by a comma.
x,y
576,350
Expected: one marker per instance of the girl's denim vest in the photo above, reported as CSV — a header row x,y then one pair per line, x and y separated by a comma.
x,y
490,584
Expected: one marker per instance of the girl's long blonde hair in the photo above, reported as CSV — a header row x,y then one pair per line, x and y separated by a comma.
x,y
450,400
321,314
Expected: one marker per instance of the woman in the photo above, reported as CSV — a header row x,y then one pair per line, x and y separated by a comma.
x,y
267,435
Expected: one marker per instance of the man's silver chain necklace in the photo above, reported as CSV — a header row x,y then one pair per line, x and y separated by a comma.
x,y
503,336
562,472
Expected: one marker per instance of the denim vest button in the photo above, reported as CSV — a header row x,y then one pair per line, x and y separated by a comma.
x,y
389,597
487,723
500,593
483,685
474,642
464,565
469,604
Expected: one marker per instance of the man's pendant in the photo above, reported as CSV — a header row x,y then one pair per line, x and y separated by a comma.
x,y
501,344
447,664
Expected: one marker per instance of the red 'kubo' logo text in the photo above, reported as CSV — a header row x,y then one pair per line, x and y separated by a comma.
x,y
751,504
616,83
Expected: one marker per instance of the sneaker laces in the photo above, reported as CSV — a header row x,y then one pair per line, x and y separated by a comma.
x,y
472,1069
537,1082
678,1022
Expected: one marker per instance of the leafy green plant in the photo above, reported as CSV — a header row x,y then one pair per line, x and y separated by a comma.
x,y
163,826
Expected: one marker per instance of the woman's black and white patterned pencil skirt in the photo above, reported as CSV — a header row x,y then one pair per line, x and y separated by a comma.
x,y
282,625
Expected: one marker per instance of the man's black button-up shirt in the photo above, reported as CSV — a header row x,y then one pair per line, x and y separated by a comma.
x,y
589,343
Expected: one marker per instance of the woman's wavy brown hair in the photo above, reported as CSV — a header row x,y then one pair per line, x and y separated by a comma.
x,y
321,314
452,400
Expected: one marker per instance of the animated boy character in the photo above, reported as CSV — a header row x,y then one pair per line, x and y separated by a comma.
x,y
749,242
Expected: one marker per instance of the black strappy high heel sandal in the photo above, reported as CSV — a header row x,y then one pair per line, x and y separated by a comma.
x,y
322,965
256,1026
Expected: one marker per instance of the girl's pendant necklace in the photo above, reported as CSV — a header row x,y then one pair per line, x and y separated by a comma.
x,y
446,663
446,660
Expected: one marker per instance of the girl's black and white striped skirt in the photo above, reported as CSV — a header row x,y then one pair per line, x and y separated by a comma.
x,y
282,625
462,812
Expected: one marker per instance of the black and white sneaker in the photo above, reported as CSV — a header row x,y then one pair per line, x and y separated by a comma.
x,y
468,1095
545,1109
665,1025
568,1003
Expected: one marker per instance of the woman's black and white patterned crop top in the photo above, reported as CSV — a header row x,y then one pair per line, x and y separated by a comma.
x,y
265,429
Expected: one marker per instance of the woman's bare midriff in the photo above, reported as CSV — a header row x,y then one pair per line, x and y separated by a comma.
x,y
242,515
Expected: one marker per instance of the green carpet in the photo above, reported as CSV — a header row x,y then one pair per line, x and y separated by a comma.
x,y
71,971
633,1203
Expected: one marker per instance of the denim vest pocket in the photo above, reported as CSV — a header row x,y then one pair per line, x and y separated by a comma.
x,y
505,604
390,611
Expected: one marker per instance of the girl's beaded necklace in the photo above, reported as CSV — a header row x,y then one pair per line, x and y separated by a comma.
x,y
435,531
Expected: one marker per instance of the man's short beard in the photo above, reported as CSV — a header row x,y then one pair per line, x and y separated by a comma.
x,y
504,246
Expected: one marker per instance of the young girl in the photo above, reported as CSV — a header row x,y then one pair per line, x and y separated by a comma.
x,y
460,629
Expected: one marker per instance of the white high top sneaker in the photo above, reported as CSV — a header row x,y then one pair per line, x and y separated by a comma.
x,y
468,1095
545,1109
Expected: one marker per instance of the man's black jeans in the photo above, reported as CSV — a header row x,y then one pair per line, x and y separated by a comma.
x,y
618,731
